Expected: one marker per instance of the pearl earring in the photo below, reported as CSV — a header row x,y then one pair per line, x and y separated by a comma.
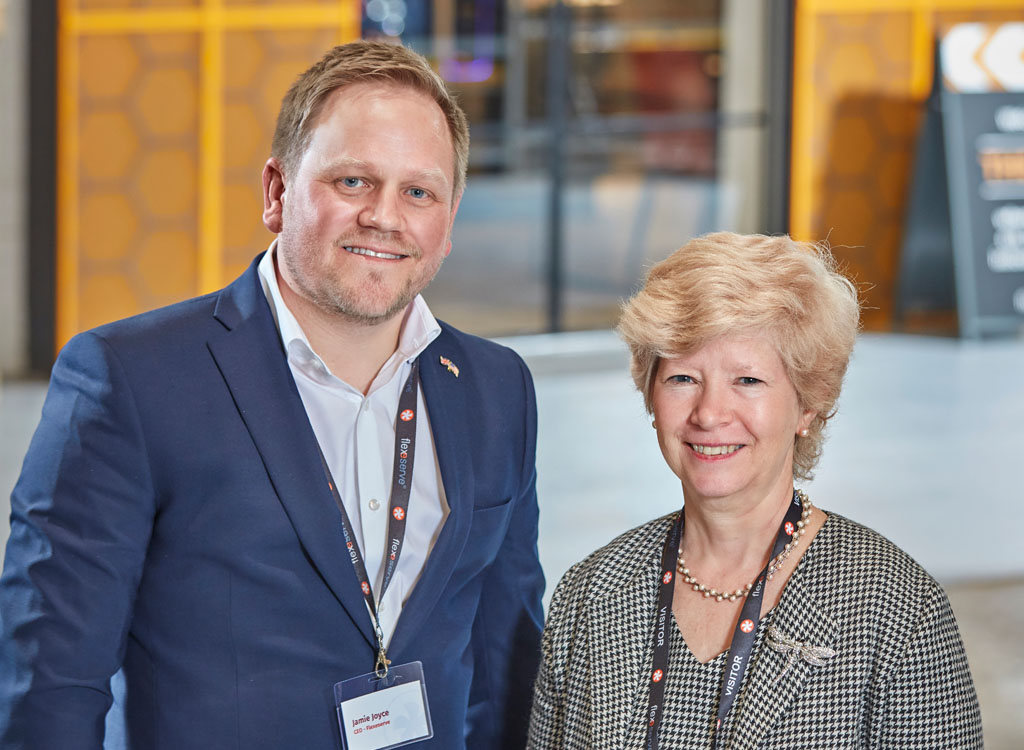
x,y
654,424
804,432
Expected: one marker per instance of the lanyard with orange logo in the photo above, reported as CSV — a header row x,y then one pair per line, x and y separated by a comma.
x,y
742,640
398,508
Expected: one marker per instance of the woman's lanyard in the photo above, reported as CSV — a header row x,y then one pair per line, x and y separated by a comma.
x,y
398,509
742,640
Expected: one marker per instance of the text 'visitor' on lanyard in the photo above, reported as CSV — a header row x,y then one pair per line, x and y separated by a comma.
x,y
398,509
742,639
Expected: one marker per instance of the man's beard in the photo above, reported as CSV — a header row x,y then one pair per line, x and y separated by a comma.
x,y
334,297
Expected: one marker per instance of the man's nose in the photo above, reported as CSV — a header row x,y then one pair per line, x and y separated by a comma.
x,y
382,211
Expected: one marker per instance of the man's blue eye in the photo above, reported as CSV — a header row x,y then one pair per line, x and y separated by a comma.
x,y
351,181
418,193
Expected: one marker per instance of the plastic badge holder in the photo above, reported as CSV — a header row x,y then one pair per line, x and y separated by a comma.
x,y
377,713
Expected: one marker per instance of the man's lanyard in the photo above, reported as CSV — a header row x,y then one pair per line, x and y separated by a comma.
x,y
742,640
398,508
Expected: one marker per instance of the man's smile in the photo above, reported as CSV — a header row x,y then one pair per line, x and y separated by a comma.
x,y
371,253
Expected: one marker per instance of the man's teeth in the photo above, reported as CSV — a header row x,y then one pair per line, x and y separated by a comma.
x,y
715,450
372,253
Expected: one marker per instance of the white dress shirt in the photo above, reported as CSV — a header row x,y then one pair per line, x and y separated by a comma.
x,y
357,436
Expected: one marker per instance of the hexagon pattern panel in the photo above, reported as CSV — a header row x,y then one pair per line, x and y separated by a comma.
x,y
138,117
858,102
130,4
133,165
177,4
263,65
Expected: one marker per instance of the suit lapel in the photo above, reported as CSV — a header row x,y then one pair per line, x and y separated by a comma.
x,y
447,408
770,688
249,356
622,631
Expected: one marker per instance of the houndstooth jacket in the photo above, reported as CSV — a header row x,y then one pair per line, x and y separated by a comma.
x,y
899,678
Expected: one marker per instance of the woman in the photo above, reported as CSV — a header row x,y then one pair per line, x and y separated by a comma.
x,y
752,618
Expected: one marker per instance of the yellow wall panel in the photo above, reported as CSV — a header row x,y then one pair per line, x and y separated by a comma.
x,y
165,116
261,66
280,3
138,161
862,71
133,4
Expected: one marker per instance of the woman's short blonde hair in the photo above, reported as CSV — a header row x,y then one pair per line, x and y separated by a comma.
x,y
727,283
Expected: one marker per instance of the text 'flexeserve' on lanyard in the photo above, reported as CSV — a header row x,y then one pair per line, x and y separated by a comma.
x,y
742,639
398,509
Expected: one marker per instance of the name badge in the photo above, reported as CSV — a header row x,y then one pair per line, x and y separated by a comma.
x,y
378,713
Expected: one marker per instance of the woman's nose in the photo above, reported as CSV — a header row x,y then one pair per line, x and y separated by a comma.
x,y
711,408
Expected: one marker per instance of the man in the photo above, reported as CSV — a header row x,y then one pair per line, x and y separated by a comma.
x,y
215,501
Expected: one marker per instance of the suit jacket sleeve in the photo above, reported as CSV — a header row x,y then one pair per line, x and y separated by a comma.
x,y
928,699
81,520
506,630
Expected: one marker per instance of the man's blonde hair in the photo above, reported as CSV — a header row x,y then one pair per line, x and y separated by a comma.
x,y
363,62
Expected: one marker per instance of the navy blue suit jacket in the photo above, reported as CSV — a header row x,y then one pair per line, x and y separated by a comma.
x,y
172,519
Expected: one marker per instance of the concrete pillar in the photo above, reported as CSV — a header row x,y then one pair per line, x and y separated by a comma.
x,y
13,200
742,93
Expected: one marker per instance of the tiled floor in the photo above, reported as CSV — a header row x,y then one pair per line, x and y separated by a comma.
x,y
926,449
990,617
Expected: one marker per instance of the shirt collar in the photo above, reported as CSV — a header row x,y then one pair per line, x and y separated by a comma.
x,y
419,326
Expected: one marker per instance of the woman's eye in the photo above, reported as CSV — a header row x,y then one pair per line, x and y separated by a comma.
x,y
680,379
747,380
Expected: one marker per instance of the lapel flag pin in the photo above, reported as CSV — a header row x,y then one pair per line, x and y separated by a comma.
x,y
452,368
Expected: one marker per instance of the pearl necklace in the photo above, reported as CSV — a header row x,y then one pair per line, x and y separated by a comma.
x,y
773,566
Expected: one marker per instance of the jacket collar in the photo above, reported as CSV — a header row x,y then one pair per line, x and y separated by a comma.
x,y
419,328
250,357
769,688
251,360
623,697
446,400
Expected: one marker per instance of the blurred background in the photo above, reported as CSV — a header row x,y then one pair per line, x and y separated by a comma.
x,y
605,133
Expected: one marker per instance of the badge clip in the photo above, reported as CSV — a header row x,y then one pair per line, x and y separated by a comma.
x,y
383,662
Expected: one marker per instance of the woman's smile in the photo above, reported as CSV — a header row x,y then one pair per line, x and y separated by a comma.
x,y
714,452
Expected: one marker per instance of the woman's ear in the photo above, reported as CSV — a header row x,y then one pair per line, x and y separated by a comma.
x,y
803,425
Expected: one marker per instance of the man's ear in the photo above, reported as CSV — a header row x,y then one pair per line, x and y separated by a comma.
x,y
273,195
451,222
